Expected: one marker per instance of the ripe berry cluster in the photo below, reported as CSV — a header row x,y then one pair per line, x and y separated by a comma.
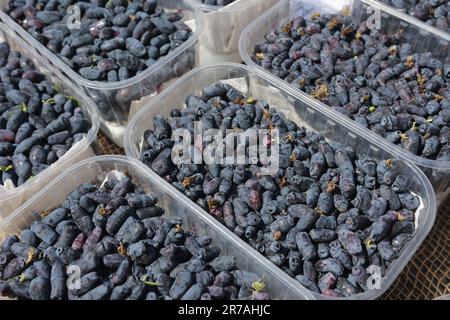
x,y
432,12
220,3
115,40
38,124
370,76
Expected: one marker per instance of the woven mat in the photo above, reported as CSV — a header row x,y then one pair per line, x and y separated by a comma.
x,y
105,146
427,274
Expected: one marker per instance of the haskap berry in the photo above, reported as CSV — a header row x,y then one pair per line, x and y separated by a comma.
x,y
126,256
115,40
38,123
220,3
432,12
317,217
370,76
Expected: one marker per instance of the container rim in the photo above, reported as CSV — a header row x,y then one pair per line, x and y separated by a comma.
x,y
89,104
98,85
184,201
407,252
428,163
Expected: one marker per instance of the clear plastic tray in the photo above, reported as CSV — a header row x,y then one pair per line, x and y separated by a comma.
x,y
420,39
11,199
95,170
406,16
223,26
114,99
305,112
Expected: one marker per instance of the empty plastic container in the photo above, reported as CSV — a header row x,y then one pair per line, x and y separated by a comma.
x,y
12,198
114,98
305,112
95,169
421,41
223,26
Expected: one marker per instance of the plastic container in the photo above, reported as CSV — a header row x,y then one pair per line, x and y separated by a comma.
x,y
13,198
95,170
421,40
223,26
406,16
114,99
305,112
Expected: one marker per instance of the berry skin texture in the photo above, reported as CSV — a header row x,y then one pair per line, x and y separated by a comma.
x,y
325,211
433,13
114,42
128,256
219,3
